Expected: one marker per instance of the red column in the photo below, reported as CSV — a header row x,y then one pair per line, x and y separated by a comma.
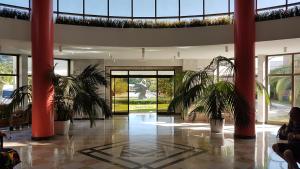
x,y
42,64
244,46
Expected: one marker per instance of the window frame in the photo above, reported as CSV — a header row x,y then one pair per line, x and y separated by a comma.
x,y
291,75
17,74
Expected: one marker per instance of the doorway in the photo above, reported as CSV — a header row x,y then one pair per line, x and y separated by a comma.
x,y
142,95
141,91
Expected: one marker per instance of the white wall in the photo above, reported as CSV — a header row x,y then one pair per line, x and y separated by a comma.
x,y
169,62
195,64
13,29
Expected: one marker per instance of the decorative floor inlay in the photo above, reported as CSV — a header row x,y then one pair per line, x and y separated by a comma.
x,y
142,154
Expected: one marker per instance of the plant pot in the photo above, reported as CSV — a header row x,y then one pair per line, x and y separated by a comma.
x,y
217,125
62,127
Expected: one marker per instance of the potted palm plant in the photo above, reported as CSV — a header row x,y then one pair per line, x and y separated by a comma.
x,y
202,92
78,94
75,94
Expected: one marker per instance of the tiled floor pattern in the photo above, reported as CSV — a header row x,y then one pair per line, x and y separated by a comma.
x,y
147,141
142,154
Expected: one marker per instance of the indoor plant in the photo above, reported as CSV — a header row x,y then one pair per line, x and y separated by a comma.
x,y
202,92
78,94
75,94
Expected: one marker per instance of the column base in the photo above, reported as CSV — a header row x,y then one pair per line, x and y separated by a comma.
x,y
42,138
236,136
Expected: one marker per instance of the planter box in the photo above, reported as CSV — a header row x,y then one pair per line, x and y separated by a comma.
x,y
217,125
201,117
62,127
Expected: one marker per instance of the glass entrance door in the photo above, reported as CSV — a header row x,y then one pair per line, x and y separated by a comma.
x,y
119,95
141,91
165,91
142,95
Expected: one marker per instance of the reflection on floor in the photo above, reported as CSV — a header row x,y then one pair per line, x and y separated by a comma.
x,y
147,141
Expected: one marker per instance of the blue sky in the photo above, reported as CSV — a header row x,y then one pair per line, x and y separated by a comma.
x,y
144,8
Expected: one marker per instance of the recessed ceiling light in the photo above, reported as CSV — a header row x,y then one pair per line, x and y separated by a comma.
x,y
178,54
60,48
143,53
152,50
184,47
226,48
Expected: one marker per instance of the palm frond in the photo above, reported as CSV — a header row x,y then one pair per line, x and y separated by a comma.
x,y
20,98
261,89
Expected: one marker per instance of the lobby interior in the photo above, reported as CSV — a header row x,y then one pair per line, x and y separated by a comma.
x,y
145,52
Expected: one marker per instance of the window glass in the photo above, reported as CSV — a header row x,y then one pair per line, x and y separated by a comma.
x,y
280,91
167,8
216,6
7,85
96,7
120,8
8,76
119,72
297,63
119,93
231,5
167,72
144,8
142,95
280,64
142,72
269,3
22,3
297,91
225,69
191,7
71,6
8,64
29,66
293,1
54,5
165,92
61,67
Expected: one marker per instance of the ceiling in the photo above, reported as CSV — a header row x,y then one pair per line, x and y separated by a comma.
x,y
186,52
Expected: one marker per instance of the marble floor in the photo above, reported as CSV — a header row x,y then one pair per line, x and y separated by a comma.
x,y
147,141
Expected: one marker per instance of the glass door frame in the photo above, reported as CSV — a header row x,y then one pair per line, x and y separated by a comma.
x,y
291,75
140,76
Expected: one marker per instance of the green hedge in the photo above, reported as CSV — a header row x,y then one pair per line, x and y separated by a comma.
x,y
153,101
